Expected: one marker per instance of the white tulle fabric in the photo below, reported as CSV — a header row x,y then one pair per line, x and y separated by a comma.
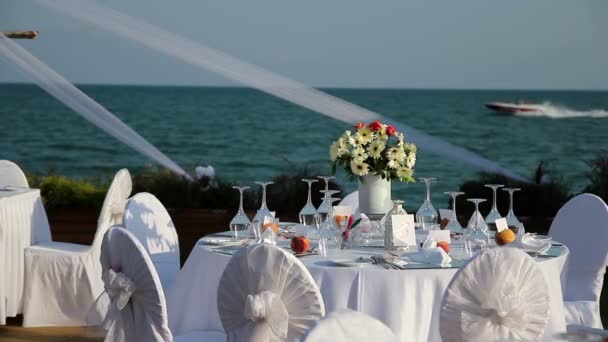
x,y
137,310
264,290
12,175
350,326
582,225
500,295
351,200
147,219
65,278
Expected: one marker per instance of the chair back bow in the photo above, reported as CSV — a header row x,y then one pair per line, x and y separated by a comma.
x,y
269,307
120,289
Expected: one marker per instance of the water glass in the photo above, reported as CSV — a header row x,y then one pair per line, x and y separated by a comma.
x,y
427,217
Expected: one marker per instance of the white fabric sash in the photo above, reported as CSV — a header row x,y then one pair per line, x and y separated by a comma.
x,y
119,288
269,307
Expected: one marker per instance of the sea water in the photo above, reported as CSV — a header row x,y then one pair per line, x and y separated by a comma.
x,y
250,136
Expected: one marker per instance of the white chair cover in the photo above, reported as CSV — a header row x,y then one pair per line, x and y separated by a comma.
x,y
137,309
62,280
350,326
267,294
12,175
500,295
582,225
147,219
351,200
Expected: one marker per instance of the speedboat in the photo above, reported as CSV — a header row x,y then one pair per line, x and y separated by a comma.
x,y
510,108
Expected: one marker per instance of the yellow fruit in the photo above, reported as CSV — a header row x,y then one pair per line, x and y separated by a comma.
x,y
505,237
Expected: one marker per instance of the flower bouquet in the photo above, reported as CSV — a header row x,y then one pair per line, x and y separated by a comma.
x,y
376,149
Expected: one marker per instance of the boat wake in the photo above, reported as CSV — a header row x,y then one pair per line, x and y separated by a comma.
x,y
561,112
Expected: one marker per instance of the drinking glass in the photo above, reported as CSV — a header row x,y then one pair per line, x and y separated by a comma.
x,y
514,224
427,216
494,214
453,224
240,221
477,237
308,214
258,220
326,204
328,230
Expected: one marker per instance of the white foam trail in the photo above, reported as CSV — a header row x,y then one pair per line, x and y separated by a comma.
x,y
204,57
561,112
64,91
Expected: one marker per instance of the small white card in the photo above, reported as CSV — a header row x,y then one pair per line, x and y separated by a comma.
x,y
440,235
403,230
343,210
445,213
501,224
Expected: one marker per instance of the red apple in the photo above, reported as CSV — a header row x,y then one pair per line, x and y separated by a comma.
x,y
300,244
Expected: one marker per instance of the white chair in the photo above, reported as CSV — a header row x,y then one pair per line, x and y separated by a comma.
x,y
582,225
62,280
351,200
147,219
499,295
137,310
12,175
267,294
350,326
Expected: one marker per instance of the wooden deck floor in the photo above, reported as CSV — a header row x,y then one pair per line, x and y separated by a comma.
x,y
14,332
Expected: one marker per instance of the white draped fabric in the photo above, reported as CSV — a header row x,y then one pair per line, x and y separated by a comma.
x,y
65,278
582,224
147,219
12,175
351,200
267,294
137,310
350,326
407,301
500,295
23,223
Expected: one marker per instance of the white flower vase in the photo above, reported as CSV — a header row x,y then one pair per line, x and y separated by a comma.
x,y
374,195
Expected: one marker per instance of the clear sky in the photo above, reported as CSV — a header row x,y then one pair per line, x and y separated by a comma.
x,y
522,44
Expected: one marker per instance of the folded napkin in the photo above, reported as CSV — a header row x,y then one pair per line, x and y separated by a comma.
x,y
430,255
529,242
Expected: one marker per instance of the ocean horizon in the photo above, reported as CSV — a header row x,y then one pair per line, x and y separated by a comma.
x,y
249,136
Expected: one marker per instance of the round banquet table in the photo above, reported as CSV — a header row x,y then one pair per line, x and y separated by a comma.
x,y
408,301
23,223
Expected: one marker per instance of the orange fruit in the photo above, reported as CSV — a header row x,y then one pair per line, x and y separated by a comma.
x,y
339,219
444,245
505,237
300,244
271,225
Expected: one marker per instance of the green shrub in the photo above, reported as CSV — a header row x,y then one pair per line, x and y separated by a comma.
x,y
598,176
63,192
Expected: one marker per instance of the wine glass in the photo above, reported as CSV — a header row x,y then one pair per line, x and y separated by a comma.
x,y
258,220
240,221
427,216
326,204
453,224
514,224
308,214
328,229
477,237
494,214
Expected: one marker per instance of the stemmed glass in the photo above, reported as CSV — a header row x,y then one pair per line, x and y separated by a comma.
x,y
477,231
453,224
328,229
326,204
494,214
308,214
514,224
262,212
240,221
427,216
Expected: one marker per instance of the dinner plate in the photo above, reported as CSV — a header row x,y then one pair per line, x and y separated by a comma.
x,y
347,262
221,242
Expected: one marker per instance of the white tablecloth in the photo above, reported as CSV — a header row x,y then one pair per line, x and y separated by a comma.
x,y
408,301
23,222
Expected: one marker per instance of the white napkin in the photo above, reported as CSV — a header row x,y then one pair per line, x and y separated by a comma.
x,y
431,255
531,243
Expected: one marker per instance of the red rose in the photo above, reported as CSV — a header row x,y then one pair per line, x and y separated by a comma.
x,y
359,126
375,126
390,130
